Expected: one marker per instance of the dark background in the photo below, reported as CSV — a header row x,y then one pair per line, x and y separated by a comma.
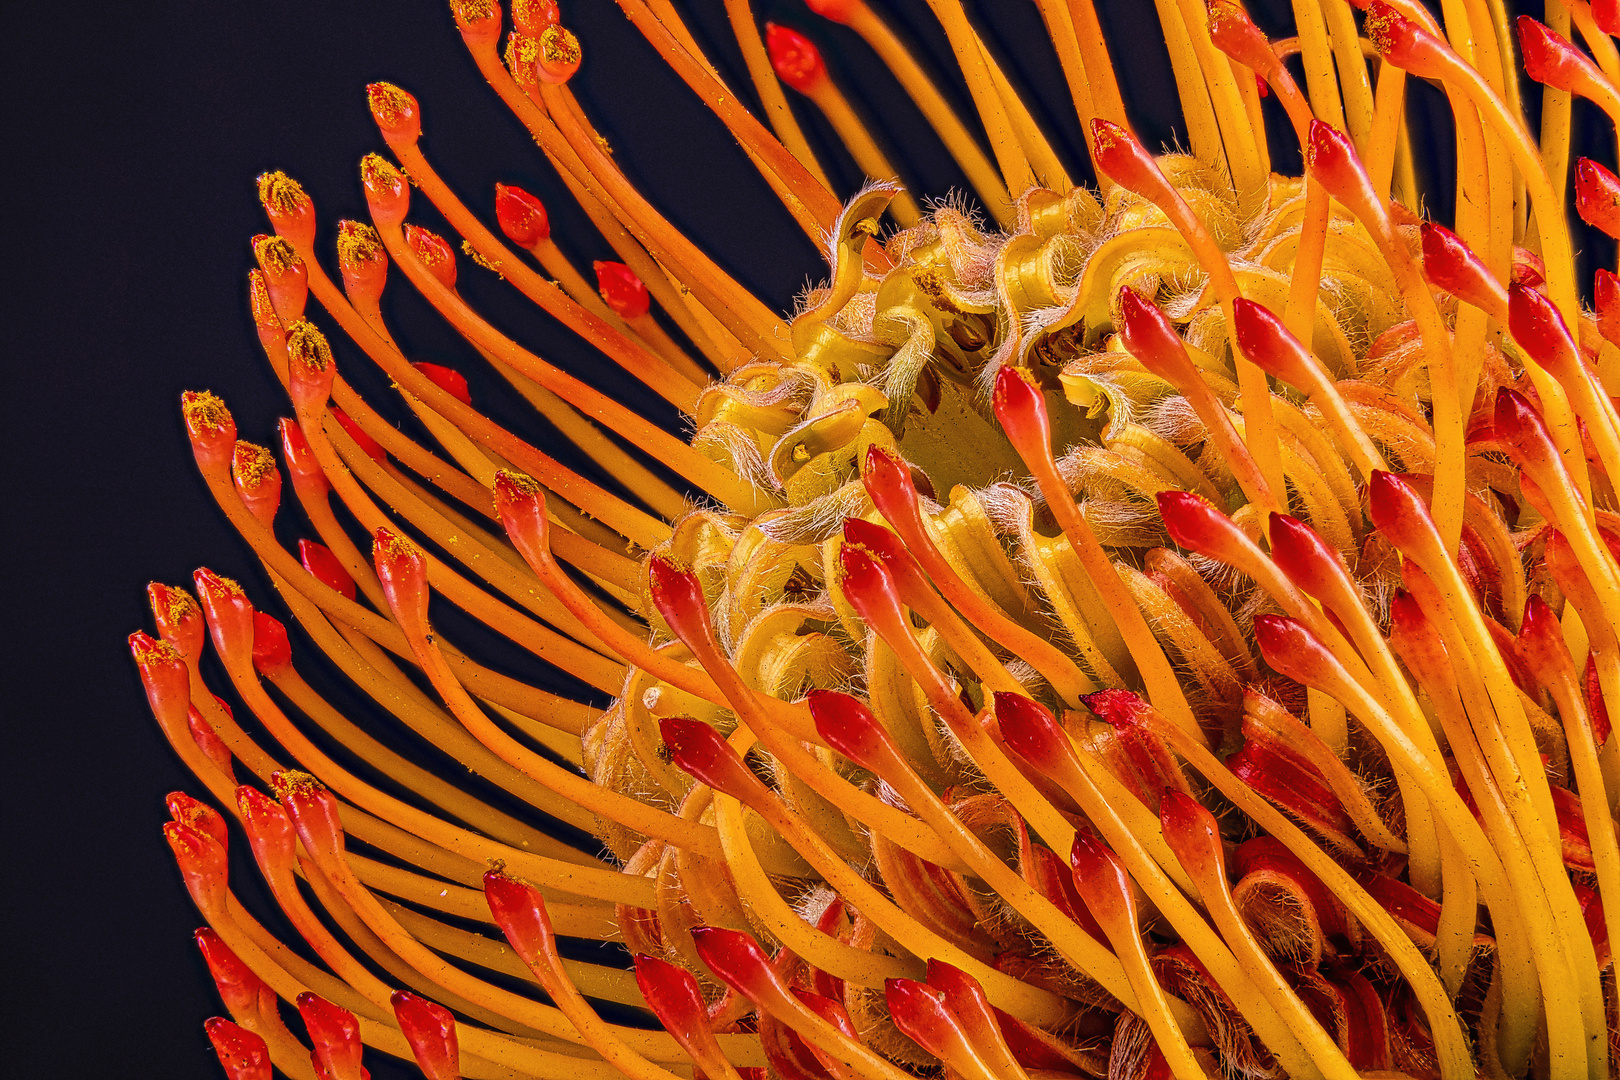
x,y
133,134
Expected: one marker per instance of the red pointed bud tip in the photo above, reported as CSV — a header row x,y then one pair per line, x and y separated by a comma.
x,y
435,253
1540,330
1450,264
285,276
478,20
521,503
678,596
324,567
1303,556
310,368
1403,42
402,568
163,673
1236,35
229,613
520,912
1266,341
531,17
203,865
1196,524
388,191
622,290
796,59
839,11
301,464
1524,435
431,1030
368,446
1151,337
272,652
242,1054
965,996
199,815
1021,411
1550,58
265,319
1030,730
888,481
1606,13
179,619
258,481
1597,196
397,115
1191,832
362,262
882,544
1101,880
1332,159
1596,707
210,428
269,829
209,742
238,987
559,55
522,217
868,586
1117,708
920,1012
1606,295
314,812
449,380
1542,639
673,994
848,726
334,1036
702,752
737,960
1398,511
1291,649
288,206
1123,158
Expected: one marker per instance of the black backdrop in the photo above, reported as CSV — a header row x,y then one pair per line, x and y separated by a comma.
x,y
134,132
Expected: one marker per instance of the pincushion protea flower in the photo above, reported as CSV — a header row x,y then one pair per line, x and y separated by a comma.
x,y
1165,632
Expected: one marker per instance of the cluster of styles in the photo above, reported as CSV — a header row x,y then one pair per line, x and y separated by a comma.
x,y
1164,632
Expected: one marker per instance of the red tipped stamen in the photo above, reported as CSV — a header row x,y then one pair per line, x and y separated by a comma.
x,y
1540,330
1450,264
243,992
272,652
558,57
701,751
795,58
325,567
1597,196
522,217
258,481
431,1030
449,380
435,253
242,1054
179,619
203,866
395,111
334,1036
285,277
200,816
622,290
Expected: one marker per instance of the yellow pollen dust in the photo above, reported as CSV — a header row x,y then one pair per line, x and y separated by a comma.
x,y
156,651
476,256
1379,26
358,243
389,102
559,45
470,11
377,170
308,346
430,247
292,782
178,605
252,463
280,193
205,411
276,254
521,51
397,546
523,482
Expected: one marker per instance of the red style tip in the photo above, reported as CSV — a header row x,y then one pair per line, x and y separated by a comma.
x,y
242,1054
920,1012
431,1030
1303,556
1115,707
478,21
310,368
1192,521
203,865
737,960
674,996
1606,296
284,276
269,829
449,380
1451,265
1597,196
521,503
558,55
314,812
362,263
1606,13
164,674
209,742
334,1036
301,464
1021,411
1523,433
678,596
199,815
1332,159
849,727
272,652
388,191
1098,874
1291,649
702,752
795,58
1397,510
229,613
179,619
368,446
324,567
1540,330
622,290
1550,58
522,217
240,989
1266,341
1151,337
531,17
435,253
1235,34
520,912
210,428
258,481
1191,832
402,569
1542,639
1402,42
1030,730
398,116
288,206
1124,159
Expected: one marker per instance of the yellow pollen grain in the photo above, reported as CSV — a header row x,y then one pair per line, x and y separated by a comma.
x,y
281,193
252,463
156,651
389,102
308,346
396,546
205,411
375,169
276,254
1379,27
521,51
476,256
292,782
470,11
358,243
431,248
178,605
230,585
559,45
